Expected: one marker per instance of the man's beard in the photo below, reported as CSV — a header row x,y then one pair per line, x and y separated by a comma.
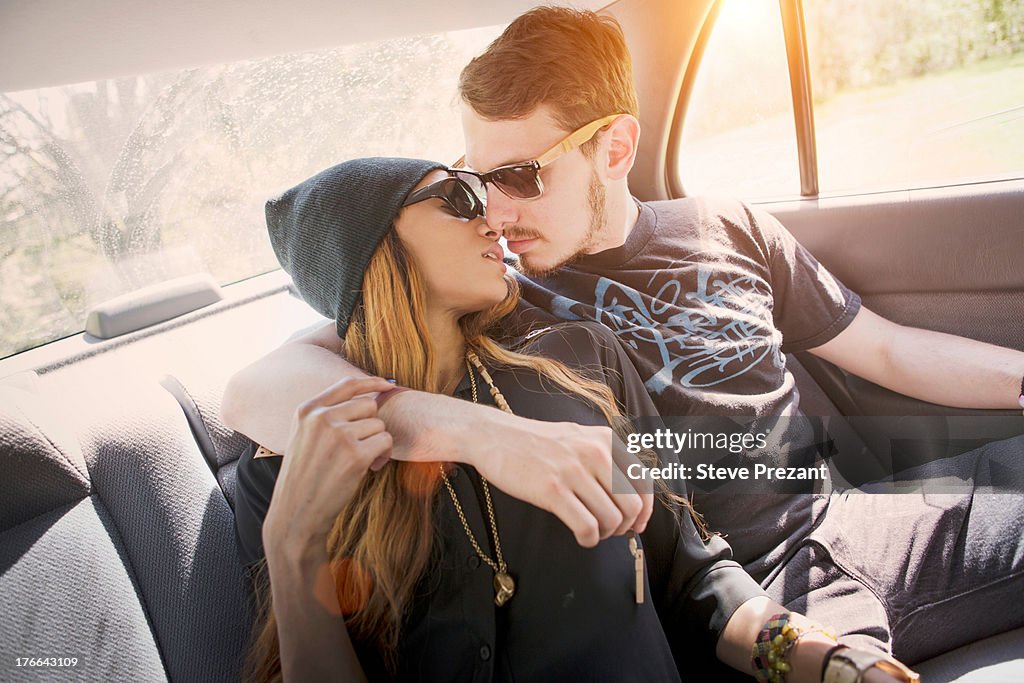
x,y
596,195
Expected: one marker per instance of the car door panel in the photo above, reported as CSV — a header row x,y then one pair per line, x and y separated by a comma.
x,y
942,259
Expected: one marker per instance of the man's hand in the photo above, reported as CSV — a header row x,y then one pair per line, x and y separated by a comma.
x,y
573,471
568,470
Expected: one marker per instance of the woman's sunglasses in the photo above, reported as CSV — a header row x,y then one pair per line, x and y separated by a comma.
x,y
459,197
522,181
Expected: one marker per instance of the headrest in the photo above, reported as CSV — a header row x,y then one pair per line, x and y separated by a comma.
x,y
41,459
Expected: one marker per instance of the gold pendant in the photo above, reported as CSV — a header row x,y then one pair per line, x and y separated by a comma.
x,y
504,588
638,567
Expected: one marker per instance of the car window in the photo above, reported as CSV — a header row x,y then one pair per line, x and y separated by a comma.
x,y
110,186
916,94
906,95
738,137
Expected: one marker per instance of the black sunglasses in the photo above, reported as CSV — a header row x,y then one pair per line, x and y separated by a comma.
x,y
455,193
522,181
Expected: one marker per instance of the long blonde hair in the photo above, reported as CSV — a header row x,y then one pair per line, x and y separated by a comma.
x,y
380,544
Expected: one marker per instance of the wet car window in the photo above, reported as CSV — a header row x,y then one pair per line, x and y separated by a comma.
x,y
110,186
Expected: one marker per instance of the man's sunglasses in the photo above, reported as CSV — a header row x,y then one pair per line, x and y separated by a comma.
x,y
522,181
459,197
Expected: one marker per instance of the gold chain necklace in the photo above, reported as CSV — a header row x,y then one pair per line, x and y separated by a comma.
x,y
504,584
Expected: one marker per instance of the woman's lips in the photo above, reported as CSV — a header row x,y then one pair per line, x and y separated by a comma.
x,y
520,246
496,254
495,250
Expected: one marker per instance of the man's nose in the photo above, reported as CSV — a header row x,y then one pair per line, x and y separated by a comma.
x,y
501,211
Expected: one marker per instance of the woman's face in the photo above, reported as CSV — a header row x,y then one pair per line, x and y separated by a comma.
x,y
460,259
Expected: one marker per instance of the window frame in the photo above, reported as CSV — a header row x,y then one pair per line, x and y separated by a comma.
x,y
798,67
793,28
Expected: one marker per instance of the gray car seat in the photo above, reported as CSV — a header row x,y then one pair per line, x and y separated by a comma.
x,y
116,543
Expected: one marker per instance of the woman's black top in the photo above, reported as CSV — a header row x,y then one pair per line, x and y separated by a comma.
x,y
574,615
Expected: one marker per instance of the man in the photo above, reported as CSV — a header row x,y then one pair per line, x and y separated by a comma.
x,y
706,299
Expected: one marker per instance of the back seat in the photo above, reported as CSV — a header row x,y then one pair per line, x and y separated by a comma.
x,y
116,533
117,544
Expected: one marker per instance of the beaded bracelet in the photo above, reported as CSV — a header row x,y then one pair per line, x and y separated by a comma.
x,y
771,649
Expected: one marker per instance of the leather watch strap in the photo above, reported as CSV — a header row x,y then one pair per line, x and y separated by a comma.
x,y
849,665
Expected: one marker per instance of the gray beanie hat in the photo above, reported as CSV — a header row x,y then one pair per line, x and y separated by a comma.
x,y
325,229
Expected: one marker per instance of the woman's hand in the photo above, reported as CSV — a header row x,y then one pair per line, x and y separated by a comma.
x,y
335,438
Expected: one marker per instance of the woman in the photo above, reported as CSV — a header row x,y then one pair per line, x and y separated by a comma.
x,y
420,570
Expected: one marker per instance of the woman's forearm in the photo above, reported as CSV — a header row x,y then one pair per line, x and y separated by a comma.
x,y
314,641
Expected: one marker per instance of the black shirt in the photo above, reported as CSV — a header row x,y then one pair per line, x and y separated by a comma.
x,y
573,615
706,297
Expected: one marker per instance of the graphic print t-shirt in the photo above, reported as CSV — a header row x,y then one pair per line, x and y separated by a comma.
x,y
706,296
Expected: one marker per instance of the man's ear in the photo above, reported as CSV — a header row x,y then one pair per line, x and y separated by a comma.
x,y
622,139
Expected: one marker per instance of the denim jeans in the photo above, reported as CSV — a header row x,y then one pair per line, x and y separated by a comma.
x,y
917,574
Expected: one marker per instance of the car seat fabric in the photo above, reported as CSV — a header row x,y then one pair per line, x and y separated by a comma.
x,y
86,607
116,545
813,399
66,584
998,659
42,464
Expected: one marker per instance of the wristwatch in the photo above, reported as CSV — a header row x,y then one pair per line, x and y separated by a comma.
x,y
848,666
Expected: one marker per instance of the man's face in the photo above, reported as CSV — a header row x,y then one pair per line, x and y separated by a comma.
x,y
556,228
